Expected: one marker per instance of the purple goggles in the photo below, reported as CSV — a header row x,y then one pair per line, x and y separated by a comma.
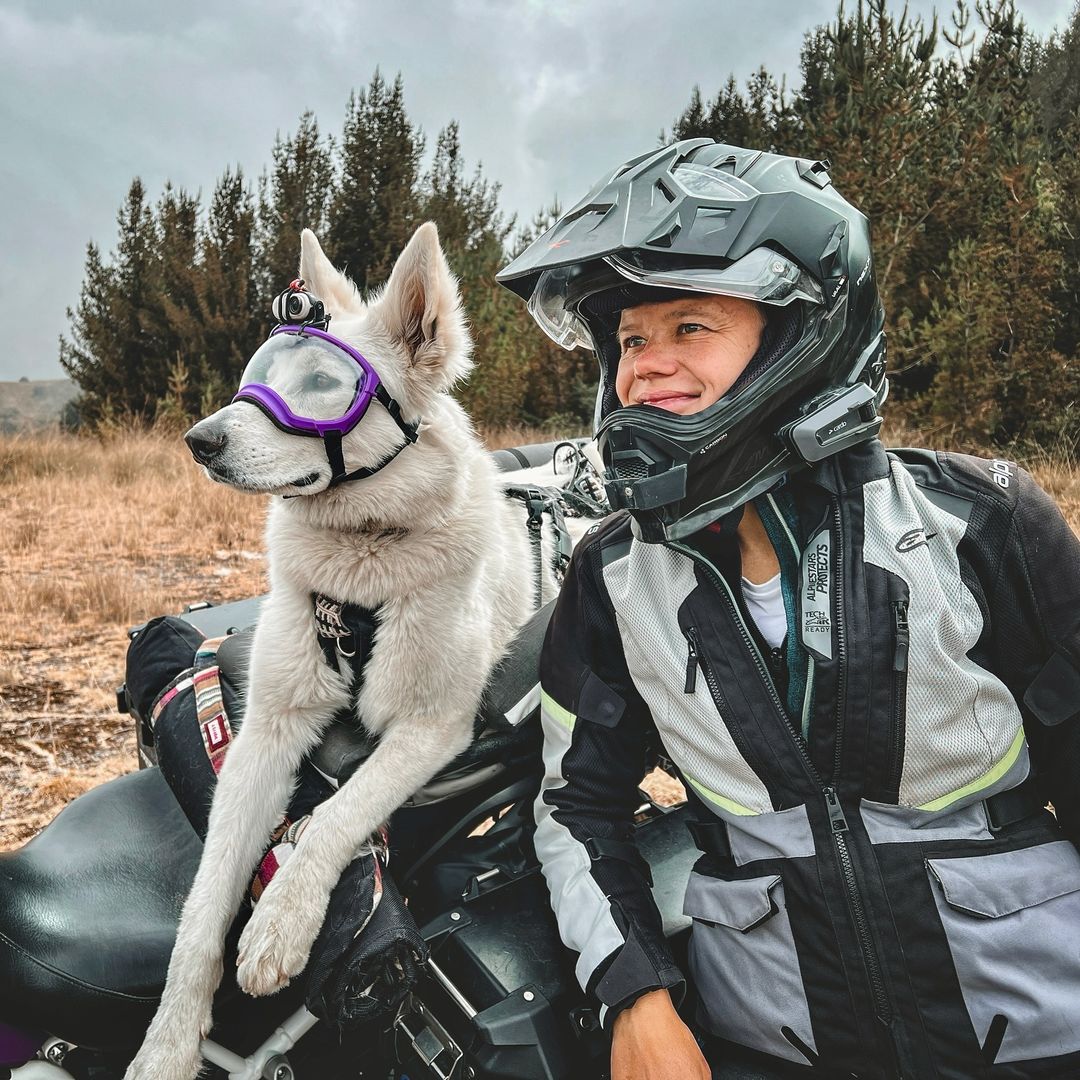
x,y
309,382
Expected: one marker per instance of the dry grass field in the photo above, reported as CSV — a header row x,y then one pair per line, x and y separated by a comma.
x,y
99,534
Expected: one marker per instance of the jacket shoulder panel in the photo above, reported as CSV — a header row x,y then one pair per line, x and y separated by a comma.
x,y
963,476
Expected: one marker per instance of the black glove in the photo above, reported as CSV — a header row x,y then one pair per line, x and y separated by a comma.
x,y
369,951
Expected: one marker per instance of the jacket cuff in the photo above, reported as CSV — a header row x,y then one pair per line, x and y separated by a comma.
x,y
627,974
672,981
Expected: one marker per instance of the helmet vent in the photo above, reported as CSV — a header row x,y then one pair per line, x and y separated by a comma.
x,y
665,191
665,240
631,470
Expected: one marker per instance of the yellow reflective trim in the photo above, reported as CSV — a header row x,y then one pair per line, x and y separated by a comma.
x,y
721,801
984,781
556,711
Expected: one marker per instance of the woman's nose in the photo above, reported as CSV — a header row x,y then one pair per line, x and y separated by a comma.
x,y
656,358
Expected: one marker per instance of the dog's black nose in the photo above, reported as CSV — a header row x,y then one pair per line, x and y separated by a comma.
x,y
205,445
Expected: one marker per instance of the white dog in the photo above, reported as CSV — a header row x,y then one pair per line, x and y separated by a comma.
x,y
431,542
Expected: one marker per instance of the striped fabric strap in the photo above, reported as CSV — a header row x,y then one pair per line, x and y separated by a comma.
x,y
209,705
177,688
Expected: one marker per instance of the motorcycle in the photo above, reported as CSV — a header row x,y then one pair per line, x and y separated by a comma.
x,y
89,909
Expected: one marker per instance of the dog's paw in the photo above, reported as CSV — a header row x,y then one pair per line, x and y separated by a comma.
x,y
165,1060
277,940
171,1047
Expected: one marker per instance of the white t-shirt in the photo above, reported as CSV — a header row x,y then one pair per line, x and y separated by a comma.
x,y
765,603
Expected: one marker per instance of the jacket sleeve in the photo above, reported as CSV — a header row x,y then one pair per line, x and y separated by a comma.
x,y
1038,619
597,731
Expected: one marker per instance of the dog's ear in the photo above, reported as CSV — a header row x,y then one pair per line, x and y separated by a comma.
x,y
322,280
420,308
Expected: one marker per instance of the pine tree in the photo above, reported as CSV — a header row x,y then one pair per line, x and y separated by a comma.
x,y
175,320
974,253
1056,84
91,355
293,197
560,385
732,118
375,209
473,232
111,354
233,322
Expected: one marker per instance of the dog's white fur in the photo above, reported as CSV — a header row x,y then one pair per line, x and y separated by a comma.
x,y
431,542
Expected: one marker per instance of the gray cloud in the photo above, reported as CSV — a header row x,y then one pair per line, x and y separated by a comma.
x,y
548,93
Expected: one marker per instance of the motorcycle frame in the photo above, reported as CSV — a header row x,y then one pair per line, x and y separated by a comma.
x,y
266,1062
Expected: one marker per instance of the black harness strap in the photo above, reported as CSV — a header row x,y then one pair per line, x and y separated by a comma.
x,y
540,501
345,632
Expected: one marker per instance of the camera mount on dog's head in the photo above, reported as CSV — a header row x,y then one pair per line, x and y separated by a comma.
x,y
295,306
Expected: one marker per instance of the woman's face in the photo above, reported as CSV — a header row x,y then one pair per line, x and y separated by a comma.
x,y
685,354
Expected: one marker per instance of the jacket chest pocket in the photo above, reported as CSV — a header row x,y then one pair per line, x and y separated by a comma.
x,y
1012,921
740,945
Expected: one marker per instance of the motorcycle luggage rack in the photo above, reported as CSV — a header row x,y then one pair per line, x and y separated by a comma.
x,y
428,1038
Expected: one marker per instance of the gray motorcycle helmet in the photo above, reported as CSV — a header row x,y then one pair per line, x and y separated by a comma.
x,y
704,217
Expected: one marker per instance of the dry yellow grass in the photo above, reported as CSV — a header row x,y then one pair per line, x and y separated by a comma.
x,y
97,535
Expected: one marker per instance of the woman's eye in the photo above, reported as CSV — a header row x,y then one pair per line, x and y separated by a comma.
x,y
632,341
690,327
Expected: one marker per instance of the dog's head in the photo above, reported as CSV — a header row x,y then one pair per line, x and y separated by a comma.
x,y
412,334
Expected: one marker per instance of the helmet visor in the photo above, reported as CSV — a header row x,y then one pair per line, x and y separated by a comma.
x,y
547,306
308,381
762,275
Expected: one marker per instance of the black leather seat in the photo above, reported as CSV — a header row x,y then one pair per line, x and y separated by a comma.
x,y
88,913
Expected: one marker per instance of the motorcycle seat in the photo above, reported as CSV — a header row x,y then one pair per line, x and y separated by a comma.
x,y
113,867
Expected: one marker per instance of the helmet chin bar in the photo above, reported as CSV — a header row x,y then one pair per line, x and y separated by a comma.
x,y
647,473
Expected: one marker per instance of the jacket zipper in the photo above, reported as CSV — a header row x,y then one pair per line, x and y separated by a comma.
x,y
902,641
839,825
882,1005
838,822
841,644
755,652
693,660
696,661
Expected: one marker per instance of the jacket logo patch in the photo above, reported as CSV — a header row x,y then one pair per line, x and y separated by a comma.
x,y
913,539
815,596
1001,472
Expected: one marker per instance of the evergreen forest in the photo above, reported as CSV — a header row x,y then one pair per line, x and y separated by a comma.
x,y
957,137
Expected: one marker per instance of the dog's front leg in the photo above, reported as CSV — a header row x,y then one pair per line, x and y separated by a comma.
x,y
422,685
278,938
253,790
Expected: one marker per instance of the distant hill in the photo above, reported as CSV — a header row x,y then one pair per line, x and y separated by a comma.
x,y
34,404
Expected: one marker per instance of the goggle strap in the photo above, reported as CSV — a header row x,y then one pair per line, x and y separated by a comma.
x,y
360,474
334,455
410,431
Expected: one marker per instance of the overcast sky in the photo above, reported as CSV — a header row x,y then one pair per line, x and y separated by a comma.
x,y
548,93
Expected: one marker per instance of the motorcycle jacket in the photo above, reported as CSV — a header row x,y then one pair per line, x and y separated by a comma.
x,y
881,892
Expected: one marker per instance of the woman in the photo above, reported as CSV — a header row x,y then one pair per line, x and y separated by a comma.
x,y
865,665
